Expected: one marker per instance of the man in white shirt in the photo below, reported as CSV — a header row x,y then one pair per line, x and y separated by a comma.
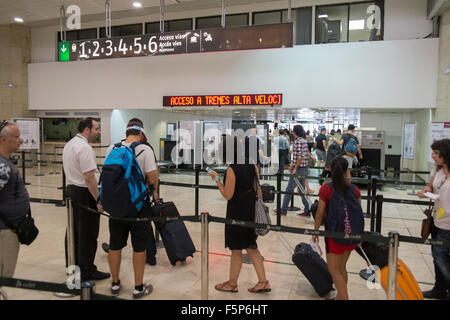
x,y
142,239
82,175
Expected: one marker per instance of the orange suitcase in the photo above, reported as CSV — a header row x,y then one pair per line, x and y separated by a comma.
x,y
407,286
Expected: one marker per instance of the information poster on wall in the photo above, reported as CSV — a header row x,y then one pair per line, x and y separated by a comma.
x,y
409,140
29,132
438,131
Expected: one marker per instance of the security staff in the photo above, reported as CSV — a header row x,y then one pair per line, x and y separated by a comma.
x,y
82,176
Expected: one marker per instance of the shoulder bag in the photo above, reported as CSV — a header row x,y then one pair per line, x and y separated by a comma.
x,y
26,229
428,222
262,215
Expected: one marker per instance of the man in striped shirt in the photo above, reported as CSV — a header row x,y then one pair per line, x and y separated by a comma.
x,y
299,167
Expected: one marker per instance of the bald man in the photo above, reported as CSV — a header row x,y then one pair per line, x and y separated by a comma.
x,y
14,198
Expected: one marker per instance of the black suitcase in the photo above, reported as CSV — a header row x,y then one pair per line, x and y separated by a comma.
x,y
268,192
175,236
164,209
376,252
177,241
314,268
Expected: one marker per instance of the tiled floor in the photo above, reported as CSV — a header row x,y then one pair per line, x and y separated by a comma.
x,y
44,259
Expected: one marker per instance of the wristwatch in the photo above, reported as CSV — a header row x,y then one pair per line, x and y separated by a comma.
x,y
217,178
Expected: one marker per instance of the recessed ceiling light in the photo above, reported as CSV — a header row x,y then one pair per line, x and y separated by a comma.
x,y
137,4
18,19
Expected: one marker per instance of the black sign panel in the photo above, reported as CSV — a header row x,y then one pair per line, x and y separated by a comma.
x,y
224,100
206,40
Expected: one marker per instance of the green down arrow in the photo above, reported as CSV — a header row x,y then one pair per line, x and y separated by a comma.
x,y
64,53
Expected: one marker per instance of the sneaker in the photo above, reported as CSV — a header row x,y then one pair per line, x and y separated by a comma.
x,y
148,288
283,213
105,247
151,260
115,288
304,214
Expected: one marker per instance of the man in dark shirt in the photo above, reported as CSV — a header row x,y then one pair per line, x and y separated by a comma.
x,y
321,142
14,198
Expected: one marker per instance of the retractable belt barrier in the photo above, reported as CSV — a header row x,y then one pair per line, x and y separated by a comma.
x,y
48,287
248,224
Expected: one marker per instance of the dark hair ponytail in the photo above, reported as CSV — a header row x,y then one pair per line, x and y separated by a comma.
x,y
339,166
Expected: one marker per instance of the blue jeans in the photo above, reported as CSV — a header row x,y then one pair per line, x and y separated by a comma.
x,y
283,155
291,187
441,260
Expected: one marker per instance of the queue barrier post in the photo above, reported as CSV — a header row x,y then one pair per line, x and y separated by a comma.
x,y
279,177
197,182
373,203
87,290
392,266
369,194
205,250
70,246
379,214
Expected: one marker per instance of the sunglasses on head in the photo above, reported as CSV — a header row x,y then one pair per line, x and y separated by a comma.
x,y
3,125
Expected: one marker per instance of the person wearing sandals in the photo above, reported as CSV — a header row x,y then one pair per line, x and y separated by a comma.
x,y
240,182
440,184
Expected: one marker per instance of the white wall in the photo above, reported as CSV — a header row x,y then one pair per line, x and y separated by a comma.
x,y
406,19
391,123
381,74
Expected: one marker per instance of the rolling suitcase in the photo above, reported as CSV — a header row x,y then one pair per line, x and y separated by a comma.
x,y
175,236
314,268
177,241
268,192
311,265
407,286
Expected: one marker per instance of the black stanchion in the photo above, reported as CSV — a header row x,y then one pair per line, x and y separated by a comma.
x,y
197,182
293,207
369,194
23,169
63,188
279,177
379,213
372,203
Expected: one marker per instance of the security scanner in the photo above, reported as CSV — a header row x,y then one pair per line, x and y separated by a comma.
x,y
372,144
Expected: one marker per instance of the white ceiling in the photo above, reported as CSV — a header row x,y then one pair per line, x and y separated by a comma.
x,y
47,12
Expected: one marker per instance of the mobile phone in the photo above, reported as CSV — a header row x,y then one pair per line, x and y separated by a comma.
x,y
208,169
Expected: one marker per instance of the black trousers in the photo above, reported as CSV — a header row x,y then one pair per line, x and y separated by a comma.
x,y
86,228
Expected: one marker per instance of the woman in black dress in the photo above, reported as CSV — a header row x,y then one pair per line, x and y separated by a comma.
x,y
240,182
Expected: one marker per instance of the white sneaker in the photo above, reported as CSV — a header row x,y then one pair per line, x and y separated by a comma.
x,y
148,288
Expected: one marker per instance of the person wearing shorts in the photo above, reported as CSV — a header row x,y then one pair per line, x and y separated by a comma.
x,y
321,142
141,231
337,254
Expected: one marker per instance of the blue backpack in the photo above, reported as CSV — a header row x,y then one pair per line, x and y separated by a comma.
x,y
344,214
351,147
122,184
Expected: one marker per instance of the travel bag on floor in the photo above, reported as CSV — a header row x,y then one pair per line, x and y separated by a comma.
x,y
407,286
174,234
314,268
268,192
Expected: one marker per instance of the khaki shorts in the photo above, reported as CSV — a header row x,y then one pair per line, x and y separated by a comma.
x,y
9,252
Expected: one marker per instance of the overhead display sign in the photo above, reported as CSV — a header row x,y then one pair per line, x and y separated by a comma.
x,y
223,100
195,41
